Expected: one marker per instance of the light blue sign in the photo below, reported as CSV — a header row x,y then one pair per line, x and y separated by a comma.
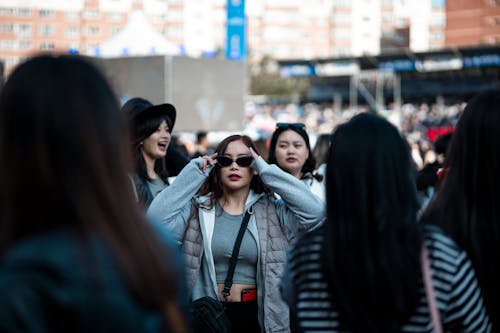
x,y
236,48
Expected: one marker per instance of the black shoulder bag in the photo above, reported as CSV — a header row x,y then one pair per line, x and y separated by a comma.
x,y
208,315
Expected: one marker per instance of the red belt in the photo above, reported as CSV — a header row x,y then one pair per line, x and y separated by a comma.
x,y
248,295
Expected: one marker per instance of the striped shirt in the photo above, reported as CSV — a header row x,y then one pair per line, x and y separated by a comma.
x,y
456,290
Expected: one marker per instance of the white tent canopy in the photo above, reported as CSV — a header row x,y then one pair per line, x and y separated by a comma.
x,y
138,38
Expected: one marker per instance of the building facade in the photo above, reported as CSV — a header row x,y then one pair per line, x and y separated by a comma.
x,y
472,22
279,29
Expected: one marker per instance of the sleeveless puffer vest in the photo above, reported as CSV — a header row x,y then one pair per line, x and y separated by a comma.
x,y
273,312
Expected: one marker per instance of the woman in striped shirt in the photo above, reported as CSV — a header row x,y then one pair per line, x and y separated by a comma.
x,y
361,271
466,205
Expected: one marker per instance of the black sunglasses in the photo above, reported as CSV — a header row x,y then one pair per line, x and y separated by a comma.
x,y
243,161
299,126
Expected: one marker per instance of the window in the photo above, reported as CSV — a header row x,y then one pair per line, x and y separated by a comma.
x,y
24,30
46,13
342,33
47,30
115,17
438,3
93,30
436,36
72,16
91,14
6,27
341,18
7,11
73,46
72,32
494,20
24,12
115,30
11,61
47,46
7,44
438,21
342,3
24,44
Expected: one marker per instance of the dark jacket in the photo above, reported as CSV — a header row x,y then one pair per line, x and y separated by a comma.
x,y
54,283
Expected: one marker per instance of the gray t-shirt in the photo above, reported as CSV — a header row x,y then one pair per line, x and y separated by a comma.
x,y
226,230
156,186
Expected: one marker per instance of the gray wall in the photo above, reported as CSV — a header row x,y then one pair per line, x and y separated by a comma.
x,y
207,93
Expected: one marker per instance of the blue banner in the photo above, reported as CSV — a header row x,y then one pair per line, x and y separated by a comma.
x,y
236,46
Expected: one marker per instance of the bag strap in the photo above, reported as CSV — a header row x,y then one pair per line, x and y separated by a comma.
x,y
429,292
234,257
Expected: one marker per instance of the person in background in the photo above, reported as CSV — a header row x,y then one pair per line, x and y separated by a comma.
x,y
466,204
427,178
177,157
151,127
76,253
291,151
204,209
320,152
362,271
202,145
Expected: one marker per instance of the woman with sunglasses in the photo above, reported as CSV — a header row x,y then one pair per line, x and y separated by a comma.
x,y
204,209
291,151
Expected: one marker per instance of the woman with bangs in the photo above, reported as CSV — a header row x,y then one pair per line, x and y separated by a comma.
x,y
291,151
204,209
151,127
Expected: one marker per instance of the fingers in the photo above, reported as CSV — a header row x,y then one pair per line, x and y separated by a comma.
x,y
253,153
208,161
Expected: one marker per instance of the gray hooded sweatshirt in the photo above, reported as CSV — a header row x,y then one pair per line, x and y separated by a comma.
x,y
274,224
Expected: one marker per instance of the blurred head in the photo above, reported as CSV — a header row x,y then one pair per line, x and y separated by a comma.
x,y
370,172
61,141
466,205
372,208
442,143
201,138
232,171
61,137
290,149
321,148
473,159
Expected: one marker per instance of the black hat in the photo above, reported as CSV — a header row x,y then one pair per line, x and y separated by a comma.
x,y
139,109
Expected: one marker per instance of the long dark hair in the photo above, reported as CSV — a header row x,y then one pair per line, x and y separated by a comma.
x,y
321,148
310,163
141,131
467,203
61,141
213,183
372,243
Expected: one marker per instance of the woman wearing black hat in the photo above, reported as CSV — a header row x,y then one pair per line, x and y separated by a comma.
x,y
151,127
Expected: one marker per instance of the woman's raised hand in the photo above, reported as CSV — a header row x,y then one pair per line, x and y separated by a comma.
x,y
208,160
253,153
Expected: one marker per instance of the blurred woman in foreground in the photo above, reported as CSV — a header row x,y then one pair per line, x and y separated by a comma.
x,y
467,202
362,270
76,255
